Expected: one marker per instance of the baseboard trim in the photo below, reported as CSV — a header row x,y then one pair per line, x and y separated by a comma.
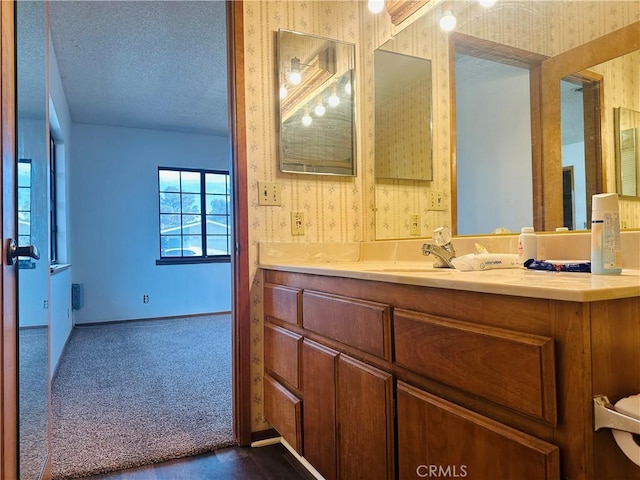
x,y
264,435
303,461
169,317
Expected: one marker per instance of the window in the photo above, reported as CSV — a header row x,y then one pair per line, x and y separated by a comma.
x,y
53,208
24,210
195,216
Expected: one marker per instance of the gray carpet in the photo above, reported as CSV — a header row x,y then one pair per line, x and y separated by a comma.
x,y
34,390
134,393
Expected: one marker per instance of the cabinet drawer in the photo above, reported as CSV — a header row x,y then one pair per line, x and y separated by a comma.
x,y
434,432
357,323
282,353
516,370
282,303
283,410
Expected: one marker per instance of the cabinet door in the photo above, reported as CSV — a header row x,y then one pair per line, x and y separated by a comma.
x,y
283,410
365,421
319,413
436,437
282,354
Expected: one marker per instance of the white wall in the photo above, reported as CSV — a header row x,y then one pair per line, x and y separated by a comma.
x,y
114,224
33,283
493,133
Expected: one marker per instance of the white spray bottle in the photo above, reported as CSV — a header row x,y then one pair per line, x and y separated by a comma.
x,y
606,248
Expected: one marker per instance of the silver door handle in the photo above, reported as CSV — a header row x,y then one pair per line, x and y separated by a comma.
x,y
14,251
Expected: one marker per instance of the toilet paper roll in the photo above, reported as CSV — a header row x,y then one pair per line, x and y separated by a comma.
x,y
629,445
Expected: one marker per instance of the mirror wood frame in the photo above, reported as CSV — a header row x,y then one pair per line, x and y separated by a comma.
x,y
602,49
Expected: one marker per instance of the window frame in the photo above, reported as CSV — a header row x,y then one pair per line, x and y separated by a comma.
x,y
53,204
204,258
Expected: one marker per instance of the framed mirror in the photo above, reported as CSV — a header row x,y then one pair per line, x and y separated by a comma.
x,y
403,145
627,151
541,34
315,81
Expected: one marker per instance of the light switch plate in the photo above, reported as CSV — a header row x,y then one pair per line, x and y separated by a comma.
x,y
435,200
269,193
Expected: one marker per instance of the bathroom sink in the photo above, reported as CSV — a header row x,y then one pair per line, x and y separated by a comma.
x,y
425,269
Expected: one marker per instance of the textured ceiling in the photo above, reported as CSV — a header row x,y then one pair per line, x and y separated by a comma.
x,y
144,64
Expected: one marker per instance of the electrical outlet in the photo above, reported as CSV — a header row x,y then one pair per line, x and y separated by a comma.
x,y
297,223
45,304
435,200
414,225
145,298
269,193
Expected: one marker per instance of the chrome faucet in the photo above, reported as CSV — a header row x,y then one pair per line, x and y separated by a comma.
x,y
441,247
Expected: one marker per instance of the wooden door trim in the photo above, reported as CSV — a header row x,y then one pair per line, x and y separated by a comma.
x,y
8,357
241,336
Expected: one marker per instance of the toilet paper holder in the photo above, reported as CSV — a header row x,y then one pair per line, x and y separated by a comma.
x,y
606,416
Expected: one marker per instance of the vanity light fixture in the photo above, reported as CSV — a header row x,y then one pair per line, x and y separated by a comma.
x,y
448,21
306,119
487,3
320,109
295,77
376,6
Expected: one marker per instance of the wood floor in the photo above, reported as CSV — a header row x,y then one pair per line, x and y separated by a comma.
x,y
241,463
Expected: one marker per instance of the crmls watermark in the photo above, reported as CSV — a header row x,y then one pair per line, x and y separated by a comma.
x,y
441,471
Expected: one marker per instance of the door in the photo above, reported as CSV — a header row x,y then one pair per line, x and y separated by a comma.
x,y
8,417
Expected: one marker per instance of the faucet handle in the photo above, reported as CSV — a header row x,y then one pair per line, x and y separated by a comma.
x,y
441,236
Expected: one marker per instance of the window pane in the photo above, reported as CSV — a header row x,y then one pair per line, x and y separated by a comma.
x,y
169,180
217,245
24,223
24,198
24,240
216,183
192,245
191,224
190,203
169,203
217,225
24,174
170,245
190,182
217,204
169,224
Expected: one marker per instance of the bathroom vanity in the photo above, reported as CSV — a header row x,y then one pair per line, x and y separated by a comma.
x,y
386,370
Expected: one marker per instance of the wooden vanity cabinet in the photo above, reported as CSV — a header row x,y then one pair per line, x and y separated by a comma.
x,y
403,377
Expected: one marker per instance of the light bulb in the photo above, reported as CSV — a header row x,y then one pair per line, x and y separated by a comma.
x,y
295,78
448,21
334,100
306,120
487,3
283,92
319,110
375,6
347,88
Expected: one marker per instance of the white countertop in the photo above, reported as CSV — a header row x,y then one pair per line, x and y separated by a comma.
x,y
578,287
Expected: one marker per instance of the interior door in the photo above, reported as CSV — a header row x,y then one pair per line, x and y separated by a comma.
x,y
8,274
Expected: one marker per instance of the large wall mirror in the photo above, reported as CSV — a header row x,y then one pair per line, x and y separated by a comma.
x,y
315,81
534,30
403,146
627,145
33,229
